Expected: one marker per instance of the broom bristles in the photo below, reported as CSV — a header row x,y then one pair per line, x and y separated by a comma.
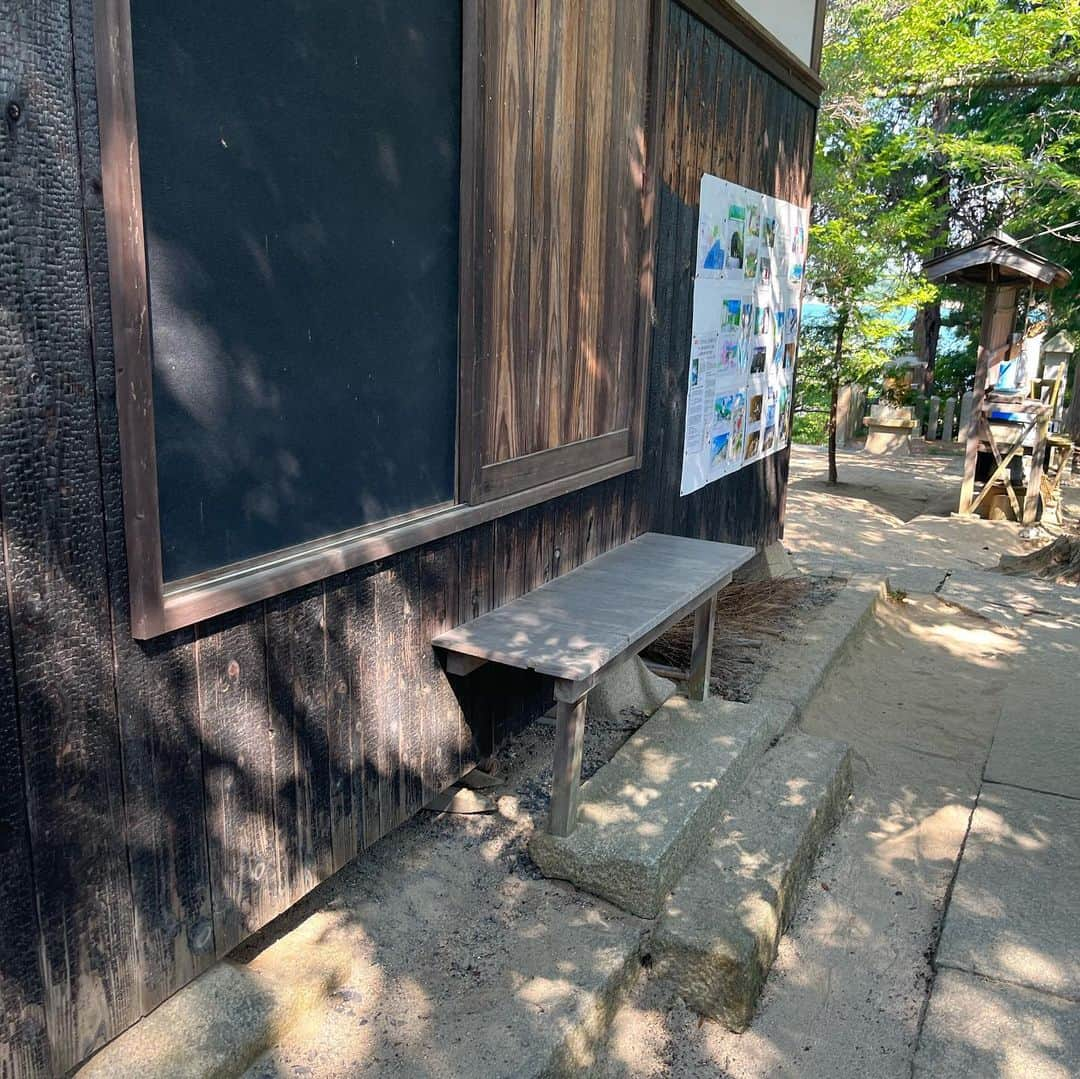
x,y
743,612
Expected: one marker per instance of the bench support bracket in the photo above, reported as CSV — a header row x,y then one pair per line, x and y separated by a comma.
x,y
566,775
697,688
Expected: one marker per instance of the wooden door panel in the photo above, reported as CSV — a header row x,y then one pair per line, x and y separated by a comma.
x,y
556,278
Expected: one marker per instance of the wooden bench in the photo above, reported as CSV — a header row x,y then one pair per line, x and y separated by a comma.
x,y
578,627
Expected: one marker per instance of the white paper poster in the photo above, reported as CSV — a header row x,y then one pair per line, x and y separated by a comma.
x,y
751,256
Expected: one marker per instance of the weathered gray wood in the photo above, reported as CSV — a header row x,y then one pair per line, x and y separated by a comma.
x,y
566,774
462,665
575,625
701,652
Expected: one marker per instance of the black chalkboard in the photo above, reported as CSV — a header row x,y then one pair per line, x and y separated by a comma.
x,y
300,169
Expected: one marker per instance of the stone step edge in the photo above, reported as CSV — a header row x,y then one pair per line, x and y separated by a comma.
x,y
720,969
593,863
223,1021
800,665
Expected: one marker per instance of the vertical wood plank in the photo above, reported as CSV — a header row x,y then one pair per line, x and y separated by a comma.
x,y
510,27
475,597
156,687
442,712
238,763
24,1046
508,582
539,568
410,688
345,748
625,219
297,687
555,128
384,695
370,769
474,345
50,499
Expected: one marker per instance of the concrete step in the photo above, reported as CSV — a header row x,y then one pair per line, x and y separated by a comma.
x,y
647,811
718,935
800,665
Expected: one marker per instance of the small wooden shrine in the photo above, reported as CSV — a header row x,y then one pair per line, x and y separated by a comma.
x,y
1010,437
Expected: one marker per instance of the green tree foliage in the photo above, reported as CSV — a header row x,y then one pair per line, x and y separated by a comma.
x,y
941,120
868,205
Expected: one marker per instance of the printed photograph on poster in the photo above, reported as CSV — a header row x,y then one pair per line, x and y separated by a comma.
x,y
798,254
750,260
736,226
714,256
712,229
785,415
729,413
778,354
701,347
753,220
730,357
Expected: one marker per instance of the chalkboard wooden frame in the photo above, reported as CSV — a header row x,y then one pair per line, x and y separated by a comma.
x,y
158,606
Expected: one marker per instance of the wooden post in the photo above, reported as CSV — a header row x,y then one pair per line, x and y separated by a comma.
x,y
999,317
701,654
1035,473
1072,417
566,774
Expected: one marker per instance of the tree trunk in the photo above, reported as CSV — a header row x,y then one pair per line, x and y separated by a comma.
x,y
1059,561
926,331
834,391
1072,416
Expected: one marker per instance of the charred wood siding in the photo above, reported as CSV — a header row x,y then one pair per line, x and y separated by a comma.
x,y
161,800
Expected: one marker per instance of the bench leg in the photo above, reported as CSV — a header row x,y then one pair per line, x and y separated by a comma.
x,y
566,777
701,654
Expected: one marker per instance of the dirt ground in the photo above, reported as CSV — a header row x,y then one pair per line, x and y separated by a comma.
x,y
888,512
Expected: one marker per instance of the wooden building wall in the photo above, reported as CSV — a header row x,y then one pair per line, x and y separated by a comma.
x,y
161,800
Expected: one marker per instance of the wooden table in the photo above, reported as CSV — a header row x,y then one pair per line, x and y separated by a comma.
x,y
578,627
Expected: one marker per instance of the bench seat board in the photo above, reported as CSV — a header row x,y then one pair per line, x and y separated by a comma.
x,y
574,626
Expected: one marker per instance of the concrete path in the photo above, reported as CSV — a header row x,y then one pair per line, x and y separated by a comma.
x,y
1007,1001
888,514
1006,997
